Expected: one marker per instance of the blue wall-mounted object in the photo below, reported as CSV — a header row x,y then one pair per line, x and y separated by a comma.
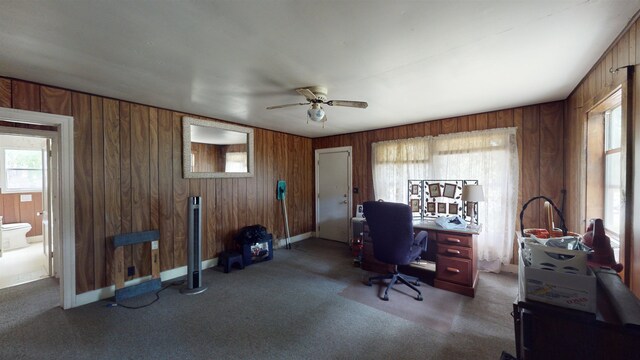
x,y
281,189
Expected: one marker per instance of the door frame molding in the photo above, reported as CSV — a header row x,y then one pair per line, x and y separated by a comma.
x,y
66,200
349,151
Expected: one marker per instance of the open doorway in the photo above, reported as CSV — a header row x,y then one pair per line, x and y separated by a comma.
x,y
26,253
59,129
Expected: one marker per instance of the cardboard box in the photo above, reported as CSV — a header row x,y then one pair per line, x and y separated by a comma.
x,y
569,289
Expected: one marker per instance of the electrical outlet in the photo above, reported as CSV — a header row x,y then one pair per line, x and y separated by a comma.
x,y
131,270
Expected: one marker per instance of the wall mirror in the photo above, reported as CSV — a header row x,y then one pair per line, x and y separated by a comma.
x,y
212,149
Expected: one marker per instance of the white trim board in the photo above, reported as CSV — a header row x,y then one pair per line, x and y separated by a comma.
x,y
109,291
282,242
65,203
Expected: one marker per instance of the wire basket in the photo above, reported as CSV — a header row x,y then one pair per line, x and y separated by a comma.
x,y
562,231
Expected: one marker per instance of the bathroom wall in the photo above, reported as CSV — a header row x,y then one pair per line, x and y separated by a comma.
x,y
13,210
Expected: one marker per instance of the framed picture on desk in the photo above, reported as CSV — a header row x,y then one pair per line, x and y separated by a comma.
x,y
415,205
453,209
434,190
431,207
470,208
449,190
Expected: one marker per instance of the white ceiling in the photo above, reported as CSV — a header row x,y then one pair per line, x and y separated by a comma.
x,y
411,61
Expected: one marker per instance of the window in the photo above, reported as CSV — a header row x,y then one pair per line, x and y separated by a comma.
x,y
489,156
603,166
612,193
235,162
22,170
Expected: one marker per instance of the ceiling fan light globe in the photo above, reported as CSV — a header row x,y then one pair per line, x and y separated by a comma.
x,y
315,114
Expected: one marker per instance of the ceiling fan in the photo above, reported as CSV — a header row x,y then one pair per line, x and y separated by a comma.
x,y
316,97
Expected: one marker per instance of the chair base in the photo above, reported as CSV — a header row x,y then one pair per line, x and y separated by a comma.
x,y
394,278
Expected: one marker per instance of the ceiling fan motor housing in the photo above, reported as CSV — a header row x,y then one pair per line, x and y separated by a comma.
x,y
320,93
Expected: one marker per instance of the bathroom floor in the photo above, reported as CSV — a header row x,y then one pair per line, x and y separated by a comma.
x,y
22,265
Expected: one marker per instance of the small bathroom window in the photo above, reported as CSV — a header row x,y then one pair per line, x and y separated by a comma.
x,y
22,170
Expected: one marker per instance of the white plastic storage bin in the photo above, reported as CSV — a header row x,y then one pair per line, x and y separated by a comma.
x,y
563,282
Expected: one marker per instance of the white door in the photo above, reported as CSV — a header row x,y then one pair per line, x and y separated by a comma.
x,y
46,208
333,188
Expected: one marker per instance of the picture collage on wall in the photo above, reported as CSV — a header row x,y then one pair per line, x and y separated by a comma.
x,y
434,198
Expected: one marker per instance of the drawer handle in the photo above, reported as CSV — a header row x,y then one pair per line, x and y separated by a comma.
x,y
453,251
453,240
453,270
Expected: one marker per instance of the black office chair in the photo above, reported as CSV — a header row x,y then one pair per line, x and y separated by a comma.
x,y
391,231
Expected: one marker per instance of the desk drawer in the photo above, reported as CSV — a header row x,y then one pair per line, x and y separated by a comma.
x,y
454,270
455,251
455,239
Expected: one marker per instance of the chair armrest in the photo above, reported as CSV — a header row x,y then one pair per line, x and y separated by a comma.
x,y
421,240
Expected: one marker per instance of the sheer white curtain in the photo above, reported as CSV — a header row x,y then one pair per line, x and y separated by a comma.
x,y
490,156
235,162
394,163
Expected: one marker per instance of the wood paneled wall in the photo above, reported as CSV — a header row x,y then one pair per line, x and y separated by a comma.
x,y
540,149
13,210
128,177
596,86
206,158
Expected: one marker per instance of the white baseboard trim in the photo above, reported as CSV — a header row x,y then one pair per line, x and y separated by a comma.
x,y
109,291
510,268
280,243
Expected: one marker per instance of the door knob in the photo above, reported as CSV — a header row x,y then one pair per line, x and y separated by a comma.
x,y
344,202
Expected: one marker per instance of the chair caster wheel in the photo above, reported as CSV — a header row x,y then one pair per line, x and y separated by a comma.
x,y
385,297
419,298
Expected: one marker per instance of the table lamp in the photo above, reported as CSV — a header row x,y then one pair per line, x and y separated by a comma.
x,y
472,194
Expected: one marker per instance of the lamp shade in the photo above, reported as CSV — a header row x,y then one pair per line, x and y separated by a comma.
x,y
472,193
316,113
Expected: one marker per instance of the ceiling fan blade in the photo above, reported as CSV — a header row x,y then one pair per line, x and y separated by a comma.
x,y
355,104
284,106
308,94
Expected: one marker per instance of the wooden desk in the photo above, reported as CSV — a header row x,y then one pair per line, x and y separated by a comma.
x,y
453,251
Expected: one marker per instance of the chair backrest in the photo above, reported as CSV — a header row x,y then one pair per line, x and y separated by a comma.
x,y
391,230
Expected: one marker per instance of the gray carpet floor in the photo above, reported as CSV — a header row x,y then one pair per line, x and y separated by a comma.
x,y
288,308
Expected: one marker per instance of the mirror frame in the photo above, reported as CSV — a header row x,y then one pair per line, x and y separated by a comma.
x,y
186,149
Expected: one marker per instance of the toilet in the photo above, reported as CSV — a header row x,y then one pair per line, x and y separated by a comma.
x,y
14,236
